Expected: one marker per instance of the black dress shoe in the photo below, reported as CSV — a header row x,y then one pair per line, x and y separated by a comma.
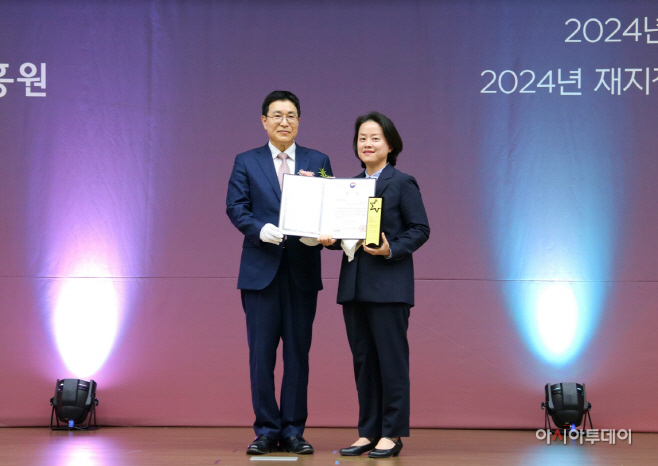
x,y
360,449
296,444
261,445
387,453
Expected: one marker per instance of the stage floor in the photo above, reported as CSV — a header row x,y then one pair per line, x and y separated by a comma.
x,y
145,446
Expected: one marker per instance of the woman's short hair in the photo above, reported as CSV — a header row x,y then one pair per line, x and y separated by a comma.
x,y
391,135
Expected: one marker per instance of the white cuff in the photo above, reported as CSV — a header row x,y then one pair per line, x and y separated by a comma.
x,y
350,246
309,241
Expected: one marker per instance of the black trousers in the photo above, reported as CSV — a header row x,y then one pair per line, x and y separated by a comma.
x,y
377,333
281,311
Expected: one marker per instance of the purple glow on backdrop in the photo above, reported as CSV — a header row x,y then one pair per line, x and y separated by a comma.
x,y
85,323
90,242
87,179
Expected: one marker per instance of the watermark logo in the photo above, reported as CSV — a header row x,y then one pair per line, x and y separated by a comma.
x,y
588,435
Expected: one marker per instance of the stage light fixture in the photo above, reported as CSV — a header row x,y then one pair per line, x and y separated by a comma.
x,y
74,400
566,403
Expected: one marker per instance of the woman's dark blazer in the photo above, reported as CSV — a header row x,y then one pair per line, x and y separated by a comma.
x,y
376,279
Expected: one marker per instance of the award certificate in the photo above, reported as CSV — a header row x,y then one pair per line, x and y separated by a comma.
x,y
313,206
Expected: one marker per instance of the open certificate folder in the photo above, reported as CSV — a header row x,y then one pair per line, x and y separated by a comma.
x,y
313,206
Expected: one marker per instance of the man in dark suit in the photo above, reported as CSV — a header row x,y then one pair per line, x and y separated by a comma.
x,y
279,277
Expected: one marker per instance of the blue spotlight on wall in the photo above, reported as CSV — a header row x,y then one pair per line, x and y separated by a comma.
x,y
557,320
551,193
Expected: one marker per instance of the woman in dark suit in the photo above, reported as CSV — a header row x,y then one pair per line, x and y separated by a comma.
x,y
376,289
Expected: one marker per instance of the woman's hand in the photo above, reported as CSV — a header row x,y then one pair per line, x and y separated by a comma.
x,y
326,240
382,250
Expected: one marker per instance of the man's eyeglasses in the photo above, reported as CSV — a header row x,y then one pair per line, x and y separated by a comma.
x,y
292,119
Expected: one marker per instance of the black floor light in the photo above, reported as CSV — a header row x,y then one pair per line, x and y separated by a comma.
x,y
566,403
74,400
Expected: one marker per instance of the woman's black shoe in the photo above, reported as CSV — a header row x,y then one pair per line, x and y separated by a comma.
x,y
394,451
360,449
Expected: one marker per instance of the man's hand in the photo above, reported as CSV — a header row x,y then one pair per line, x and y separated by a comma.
x,y
326,240
271,234
309,241
382,250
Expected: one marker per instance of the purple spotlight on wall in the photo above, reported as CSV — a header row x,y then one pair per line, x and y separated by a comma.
x,y
86,321
89,149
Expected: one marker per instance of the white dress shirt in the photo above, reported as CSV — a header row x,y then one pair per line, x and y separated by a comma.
x,y
290,151
376,174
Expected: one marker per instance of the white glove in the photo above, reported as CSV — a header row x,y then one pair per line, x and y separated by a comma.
x,y
309,241
271,234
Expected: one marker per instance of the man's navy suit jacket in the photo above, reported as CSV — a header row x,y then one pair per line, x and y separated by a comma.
x,y
253,199
376,279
